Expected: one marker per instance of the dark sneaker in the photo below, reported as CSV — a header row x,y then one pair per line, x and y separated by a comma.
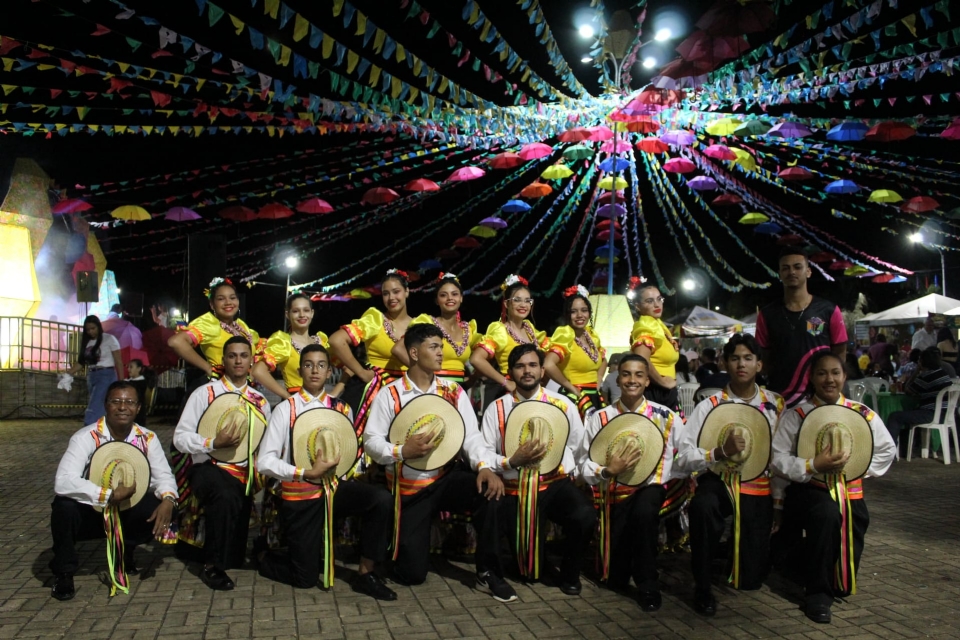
x,y
216,579
817,608
649,601
370,584
63,587
704,603
571,588
490,583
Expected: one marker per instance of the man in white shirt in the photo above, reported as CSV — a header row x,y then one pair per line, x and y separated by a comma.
x,y
558,498
303,510
218,487
423,494
634,525
926,337
712,502
74,517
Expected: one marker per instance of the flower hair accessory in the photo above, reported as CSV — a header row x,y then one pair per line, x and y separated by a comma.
x,y
216,282
398,272
448,276
513,279
576,290
634,283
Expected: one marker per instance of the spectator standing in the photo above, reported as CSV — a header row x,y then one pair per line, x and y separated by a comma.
x,y
926,337
683,370
947,344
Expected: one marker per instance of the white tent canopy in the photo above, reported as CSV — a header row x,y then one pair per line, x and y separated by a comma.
x,y
704,322
913,311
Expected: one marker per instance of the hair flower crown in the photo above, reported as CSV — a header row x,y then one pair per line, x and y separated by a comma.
x,y
513,279
398,272
576,290
216,282
448,276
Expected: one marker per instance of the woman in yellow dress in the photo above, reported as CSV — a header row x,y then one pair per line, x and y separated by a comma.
x,y
460,337
651,339
575,352
378,332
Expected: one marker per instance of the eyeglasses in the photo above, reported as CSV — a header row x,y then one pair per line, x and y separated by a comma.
x,y
127,402
652,300
521,300
309,366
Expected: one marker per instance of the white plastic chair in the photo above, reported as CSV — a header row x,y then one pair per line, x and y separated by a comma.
x,y
857,389
873,386
949,425
704,392
686,391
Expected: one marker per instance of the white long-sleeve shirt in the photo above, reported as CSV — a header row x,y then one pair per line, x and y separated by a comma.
x,y
185,436
71,481
494,441
377,445
786,462
665,419
275,457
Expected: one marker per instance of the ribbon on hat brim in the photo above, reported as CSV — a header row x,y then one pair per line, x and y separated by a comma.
x,y
528,522
114,532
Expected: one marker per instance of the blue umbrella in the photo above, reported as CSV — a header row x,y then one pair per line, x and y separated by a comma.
x,y
604,250
842,186
614,164
847,131
515,206
768,228
426,265
898,279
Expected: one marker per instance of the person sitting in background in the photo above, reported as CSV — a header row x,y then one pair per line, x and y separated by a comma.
x,y
717,380
708,365
693,360
610,389
854,372
135,376
684,375
881,351
906,372
925,384
947,344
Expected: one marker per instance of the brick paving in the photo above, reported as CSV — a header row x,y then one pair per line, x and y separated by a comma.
x,y
909,581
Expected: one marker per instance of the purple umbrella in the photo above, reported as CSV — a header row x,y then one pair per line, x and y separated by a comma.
x,y
181,214
679,138
494,223
702,183
611,211
790,130
125,332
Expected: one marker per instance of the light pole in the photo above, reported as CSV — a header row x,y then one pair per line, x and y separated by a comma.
x,y
917,238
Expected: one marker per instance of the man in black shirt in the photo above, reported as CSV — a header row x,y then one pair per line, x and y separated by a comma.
x,y
708,365
926,384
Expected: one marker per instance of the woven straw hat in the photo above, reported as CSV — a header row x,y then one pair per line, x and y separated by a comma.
x,y
750,423
535,420
329,432
430,414
117,464
233,409
624,434
844,429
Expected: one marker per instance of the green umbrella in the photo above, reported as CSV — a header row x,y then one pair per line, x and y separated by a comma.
x,y
751,128
577,152
953,214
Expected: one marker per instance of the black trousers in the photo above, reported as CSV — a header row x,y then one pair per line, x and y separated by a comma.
x,y
304,525
456,491
710,505
634,539
563,504
72,521
226,511
811,509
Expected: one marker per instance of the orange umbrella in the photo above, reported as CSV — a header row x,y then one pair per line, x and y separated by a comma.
x,y
536,190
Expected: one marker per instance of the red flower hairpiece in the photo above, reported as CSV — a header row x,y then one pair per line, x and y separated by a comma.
x,y
634,283
576,290
398,272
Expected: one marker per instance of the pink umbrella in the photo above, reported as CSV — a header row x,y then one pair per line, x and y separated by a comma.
x,y
130,353
920,204
719,152
600,133
314,205
181,214
535,150
73,205
679,165
421,184
702,183
274,211
379,195
679,138
952,132
467,173
615,146
790,130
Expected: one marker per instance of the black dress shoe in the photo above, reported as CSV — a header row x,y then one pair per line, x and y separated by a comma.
x,y
571,588
649,601
705,604
371,585
130,564
216,579
819,612
63,587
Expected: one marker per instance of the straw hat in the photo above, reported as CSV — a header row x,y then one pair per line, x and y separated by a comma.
x,y
430,414
328,431
750,423
844,429
624,434
535,420
120,463
232,409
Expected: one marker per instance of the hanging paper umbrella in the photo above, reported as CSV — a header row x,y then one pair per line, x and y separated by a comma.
x,y
610,183
660,97
839,265
692,71
620,126
130,212
882,278
653,145
624,115
702,183
614,164
578,152
274,211
515,206
679,165
713,48
359,294
315,205
506,160
754,218
466,243
723,127
536,190
719,152
847,132
181,214
842,186
794,173
421,184
238,214
744,159
890,131
466,173
920,204
898,279
604,251
855,271
953,214
734,18
751,128
379,195
611,211
481,231
615,146
643,126
726,200
952,132
600,133
556,172
535,150
607,197
447,254
605,224
884,195
678,138
73,205
605,260
768,228
789,240
495,223
604,236
790,130
640,108
577,134
822,256
427,265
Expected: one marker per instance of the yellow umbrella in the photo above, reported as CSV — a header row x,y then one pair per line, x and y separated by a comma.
x,y
130,212
99,260
885,195
855,271
754,218
483,232
744,159
723,127
618,125
605,260
359,294
556,172
609,184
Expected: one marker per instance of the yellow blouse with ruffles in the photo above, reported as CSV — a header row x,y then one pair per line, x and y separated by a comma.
x,y
206,332
650,332
575,364
370,331
451,361
498,342
280,352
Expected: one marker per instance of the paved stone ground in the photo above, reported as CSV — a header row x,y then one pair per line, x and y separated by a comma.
x,y
909,581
